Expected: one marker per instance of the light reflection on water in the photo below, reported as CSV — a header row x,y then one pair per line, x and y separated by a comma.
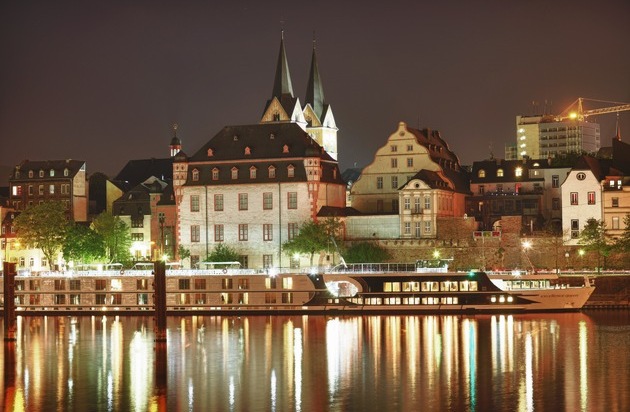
x,y
571,362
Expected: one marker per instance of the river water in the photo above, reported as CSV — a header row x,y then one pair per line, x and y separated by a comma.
x,y
530,362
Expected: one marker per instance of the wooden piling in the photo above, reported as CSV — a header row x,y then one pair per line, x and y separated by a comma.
x,y
9,302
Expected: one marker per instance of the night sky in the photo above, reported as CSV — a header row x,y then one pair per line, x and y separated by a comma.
x,y
103,81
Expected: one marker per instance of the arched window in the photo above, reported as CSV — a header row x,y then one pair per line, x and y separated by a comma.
x,y
481,173
234,173
499,172
41,173
290,171
66,172
215,174
30,173
248,151
210,153
285,149
195,175
252,172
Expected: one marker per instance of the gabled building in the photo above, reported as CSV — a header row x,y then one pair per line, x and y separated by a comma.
x,y
252,186
34,182
414,177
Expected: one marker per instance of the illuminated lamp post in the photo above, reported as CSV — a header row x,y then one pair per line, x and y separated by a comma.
x,y
527,244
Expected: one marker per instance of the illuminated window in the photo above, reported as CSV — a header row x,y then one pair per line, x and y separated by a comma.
x,y
252,172
234,173
267,232
41,173
518,172
394,182
615,202
555,181
287,283
272,172
243,232
290,171
66,172
591,198
499,172
481,173
574,198
195,175
215,174
379,182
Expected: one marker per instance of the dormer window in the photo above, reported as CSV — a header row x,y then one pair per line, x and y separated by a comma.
x,y
481,173
518,172
195,175
52,172
66,172
272,136
30,174
248,151
252,172
499,172
272,172
290,171
285,149
215,174
234,173
276,117
235,138
210,153
41,173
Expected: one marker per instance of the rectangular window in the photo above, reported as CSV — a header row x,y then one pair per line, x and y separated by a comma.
x,y
60,284
200,284
407,203
555,203
267,261
394,182
379,182
137,222
427,227
410,148
407,228
591,198
555,181
394,163
418,232
30,190
482,189
51,189
218,203
195,233
394,148
292,200
270,282
267,201
574,198
184,284
41,190
100,284
575,228
615,202
410,162
226,283
427,202
194,203
75,284
137,237
417,208
267,232
242,201
218,233
615,222
293,230
242,232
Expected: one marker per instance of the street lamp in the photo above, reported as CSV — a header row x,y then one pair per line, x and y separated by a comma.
x,y
161,219
527,244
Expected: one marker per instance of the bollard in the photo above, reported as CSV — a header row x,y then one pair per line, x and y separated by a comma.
x,y
159,299
9,302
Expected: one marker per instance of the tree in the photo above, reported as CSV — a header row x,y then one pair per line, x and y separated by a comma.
x,y
594,238
313,237
183,253
223,253
622,244
82,244
43,226
116,237
366,252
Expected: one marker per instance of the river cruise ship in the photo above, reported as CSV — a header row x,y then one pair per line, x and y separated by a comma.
x,y
364,288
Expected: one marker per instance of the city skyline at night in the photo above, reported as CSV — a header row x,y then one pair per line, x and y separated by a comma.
x,y
105,83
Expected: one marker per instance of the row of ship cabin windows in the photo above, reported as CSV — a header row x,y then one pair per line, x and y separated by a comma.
x,y
431,286
243,201
243,232
244,261
253,173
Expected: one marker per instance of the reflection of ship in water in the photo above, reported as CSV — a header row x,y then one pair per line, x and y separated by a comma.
x,y
359,288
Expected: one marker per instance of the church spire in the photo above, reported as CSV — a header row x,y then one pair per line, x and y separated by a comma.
x,y
618,129
282,83
314,88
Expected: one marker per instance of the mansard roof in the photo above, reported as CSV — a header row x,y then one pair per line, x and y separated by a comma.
x,y
262,146
137,171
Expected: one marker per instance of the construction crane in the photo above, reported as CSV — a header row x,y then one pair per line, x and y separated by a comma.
x,y
576,109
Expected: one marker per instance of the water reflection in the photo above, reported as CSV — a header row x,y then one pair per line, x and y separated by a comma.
x,y
571,362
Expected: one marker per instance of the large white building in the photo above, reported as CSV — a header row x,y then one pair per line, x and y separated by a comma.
x,y
543,136
252,186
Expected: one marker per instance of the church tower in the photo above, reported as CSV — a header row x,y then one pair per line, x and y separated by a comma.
x,y
317,113
176,144
283,105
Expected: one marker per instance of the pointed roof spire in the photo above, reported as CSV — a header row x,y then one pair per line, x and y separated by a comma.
x,y
282,83
314,88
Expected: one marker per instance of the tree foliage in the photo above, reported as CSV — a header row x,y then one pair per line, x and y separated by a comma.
x,y
116,237
366,252
623,243
223,253
43,226
313,237
594,238
183,253
83,245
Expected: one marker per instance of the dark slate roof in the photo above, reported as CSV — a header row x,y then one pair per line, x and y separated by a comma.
x,y
621,155
168,196
352,174
73,166
599,167
135,203
433,179
314,88
437,147
137,171
266,143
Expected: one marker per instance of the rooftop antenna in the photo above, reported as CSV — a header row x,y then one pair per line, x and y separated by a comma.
x,y
618,129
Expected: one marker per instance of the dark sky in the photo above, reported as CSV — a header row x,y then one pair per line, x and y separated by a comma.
x,y
103,81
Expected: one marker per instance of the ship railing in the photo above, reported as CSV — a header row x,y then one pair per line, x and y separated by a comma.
x,y
376,268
